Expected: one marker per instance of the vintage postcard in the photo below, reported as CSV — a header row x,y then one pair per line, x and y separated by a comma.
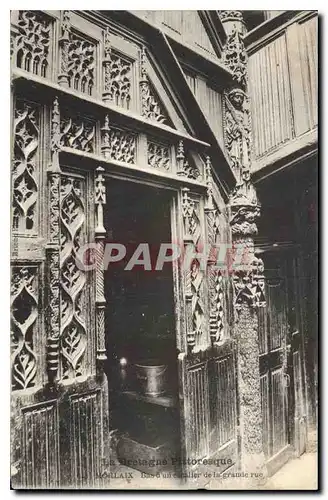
x,y
164,249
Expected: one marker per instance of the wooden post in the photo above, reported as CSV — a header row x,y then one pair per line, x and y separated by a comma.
x,y
100,233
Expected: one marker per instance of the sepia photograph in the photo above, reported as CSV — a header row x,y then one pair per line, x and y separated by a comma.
x,y
164,250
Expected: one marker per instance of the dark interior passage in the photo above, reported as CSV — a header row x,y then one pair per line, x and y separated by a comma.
x,y
140,325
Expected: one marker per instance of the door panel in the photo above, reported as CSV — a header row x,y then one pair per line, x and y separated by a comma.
x,y
273,339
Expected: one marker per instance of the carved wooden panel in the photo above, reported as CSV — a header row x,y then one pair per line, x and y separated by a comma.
x,y
226,399
264,381
279,424
117,80
118,144
40,453
81,70
24,316
73,335
77,132
32,44
86,439
158,155
25,172
198,411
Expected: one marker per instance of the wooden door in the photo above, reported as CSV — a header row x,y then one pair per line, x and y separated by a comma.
x,y
207,382
274,373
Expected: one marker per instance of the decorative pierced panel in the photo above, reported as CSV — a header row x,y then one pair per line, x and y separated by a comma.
x,y
118,80
73,335
118,144
24,315
78,133
25,167
81,64
158,155
32,44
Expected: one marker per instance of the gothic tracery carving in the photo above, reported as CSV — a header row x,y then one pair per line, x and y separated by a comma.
x,y
158,155
24,312
73,337
33,42
118,144
77,61
25,168
78,133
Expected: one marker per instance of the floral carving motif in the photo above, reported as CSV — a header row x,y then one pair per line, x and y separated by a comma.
x,y
81,64
78,133
234,15
117,80
158,155
33,42
73,336
117,144
25,188
24,312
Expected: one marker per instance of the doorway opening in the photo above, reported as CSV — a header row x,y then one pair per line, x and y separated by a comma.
x,y
140,328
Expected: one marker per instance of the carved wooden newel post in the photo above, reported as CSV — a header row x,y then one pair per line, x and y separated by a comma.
x,y
100,233
247,269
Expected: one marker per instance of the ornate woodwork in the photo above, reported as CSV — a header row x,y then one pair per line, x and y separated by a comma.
x,y
151,106
117,75
25,167
53,248
158,155
24,314
78,133
32,42
118,144
185,168
100,233
73,334
194,274
77,59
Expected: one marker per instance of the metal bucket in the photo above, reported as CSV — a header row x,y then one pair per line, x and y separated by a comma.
x,y
152,378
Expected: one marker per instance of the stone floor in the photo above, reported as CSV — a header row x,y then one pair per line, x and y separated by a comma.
x,y
297,474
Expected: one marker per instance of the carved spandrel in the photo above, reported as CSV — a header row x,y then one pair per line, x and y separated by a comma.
x,y
25,167
151,106
24,314
32,42
73,336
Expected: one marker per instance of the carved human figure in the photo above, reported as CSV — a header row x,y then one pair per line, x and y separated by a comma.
x,y
237,129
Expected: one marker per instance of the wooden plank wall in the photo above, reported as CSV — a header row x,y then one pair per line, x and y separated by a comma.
x,y
283,86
